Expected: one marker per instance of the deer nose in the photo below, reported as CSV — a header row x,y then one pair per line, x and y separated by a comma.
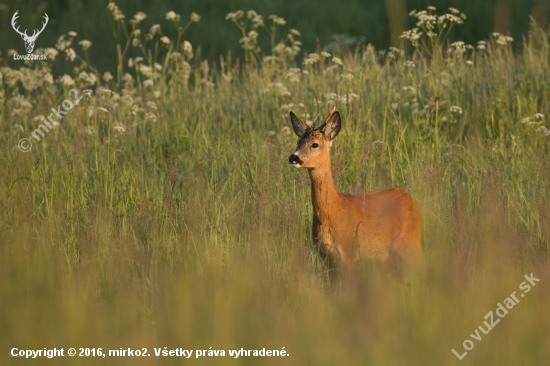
x,y
294,159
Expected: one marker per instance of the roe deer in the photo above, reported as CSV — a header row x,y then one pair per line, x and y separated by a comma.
x,y
384,226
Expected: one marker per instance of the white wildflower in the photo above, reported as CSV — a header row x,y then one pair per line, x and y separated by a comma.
x,y
146,70
277,20
115,11
138,18
410,89
87,78
270,58
502,39
48,77
155,29
258,21
311,59
283,92
187,47
458,47
195,17
234,16
348,98
66,80
456,110
348,76
62,43
119,127
128,79
51,53
412,35
70,54
293,75
227,76
85,44
172,16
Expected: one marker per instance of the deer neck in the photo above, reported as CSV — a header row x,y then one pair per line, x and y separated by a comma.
x,y
324,196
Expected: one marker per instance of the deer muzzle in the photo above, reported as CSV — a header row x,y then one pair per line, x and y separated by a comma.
x,y
295,160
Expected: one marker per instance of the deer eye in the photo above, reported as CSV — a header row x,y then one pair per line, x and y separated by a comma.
x,y
315,145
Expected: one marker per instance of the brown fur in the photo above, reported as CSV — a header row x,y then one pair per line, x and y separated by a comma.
x,y
384,226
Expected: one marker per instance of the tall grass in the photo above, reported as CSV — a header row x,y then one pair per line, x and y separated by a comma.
x,y
161,212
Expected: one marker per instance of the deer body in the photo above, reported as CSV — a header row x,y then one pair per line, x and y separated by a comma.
x,y
384,226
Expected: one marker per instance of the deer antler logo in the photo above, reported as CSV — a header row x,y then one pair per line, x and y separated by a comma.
x,y
29,40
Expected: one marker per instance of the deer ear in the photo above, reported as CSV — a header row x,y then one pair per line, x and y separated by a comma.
x,y
298,126
332,125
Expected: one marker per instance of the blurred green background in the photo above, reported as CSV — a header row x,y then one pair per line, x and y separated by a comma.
x,y
319,21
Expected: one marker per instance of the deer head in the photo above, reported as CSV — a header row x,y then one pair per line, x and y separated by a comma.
x,y
314,144
29,40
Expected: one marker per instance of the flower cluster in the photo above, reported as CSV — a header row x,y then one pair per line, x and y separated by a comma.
x,y
289,47
257,20
536,121
412,35
456,110
172,16
138,18
432,25
115,12
277,20
346,99
502,40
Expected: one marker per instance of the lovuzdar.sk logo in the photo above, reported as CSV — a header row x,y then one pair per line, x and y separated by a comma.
x,y
29,40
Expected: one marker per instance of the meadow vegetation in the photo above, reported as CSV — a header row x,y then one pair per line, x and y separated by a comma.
x,y
162,211
319,21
